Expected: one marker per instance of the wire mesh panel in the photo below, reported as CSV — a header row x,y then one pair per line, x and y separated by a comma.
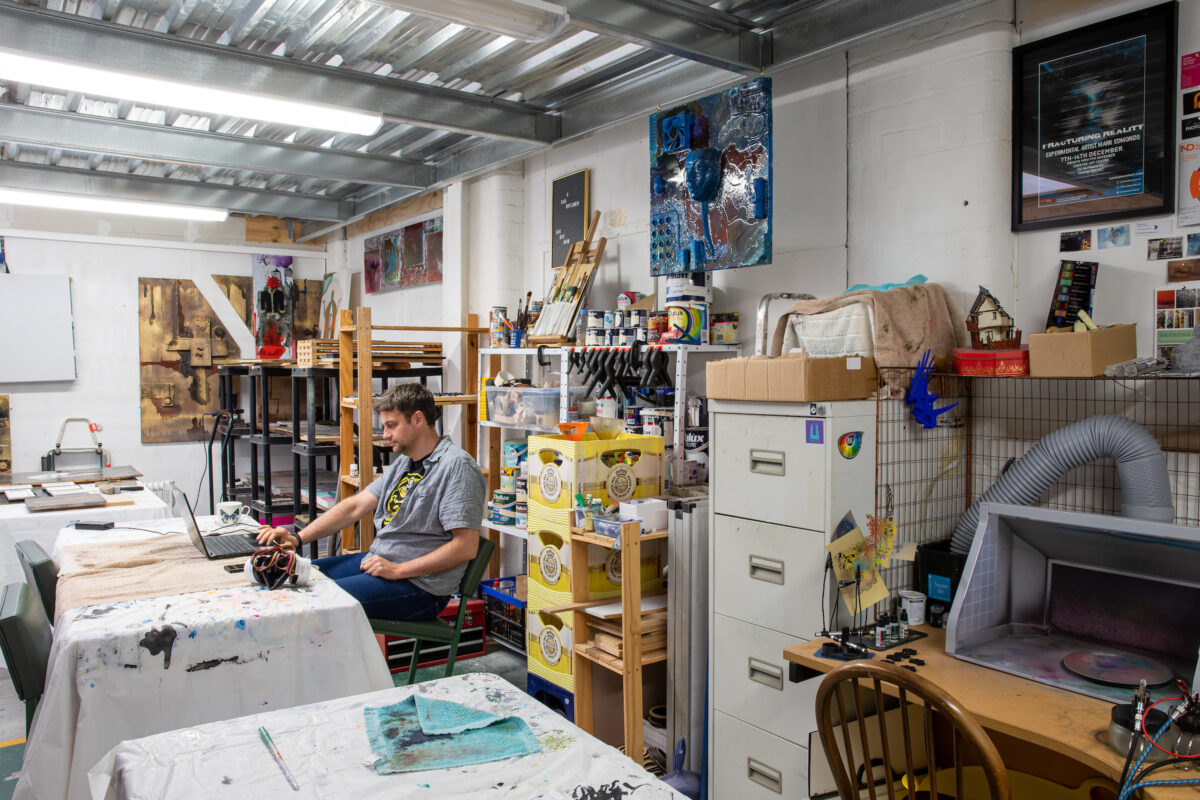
x,y
921,474
929,477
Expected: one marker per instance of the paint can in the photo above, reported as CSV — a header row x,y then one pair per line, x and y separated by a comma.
x,y
508,479
612,319
638,317
633,416
626,299
514,453
658,422
608,407
594,338
641,334
625,337
724,328
695,449
690,287
656,327
504,508
610,337
687,323
595,319
499,331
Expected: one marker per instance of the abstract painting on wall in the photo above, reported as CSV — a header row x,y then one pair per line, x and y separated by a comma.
x,y
408,256
710,182
335,295
274,301
179,337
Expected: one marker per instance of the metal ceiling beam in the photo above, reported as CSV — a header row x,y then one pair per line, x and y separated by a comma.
x,y
158,190
680,28
180,146
64,36
815,31
364,208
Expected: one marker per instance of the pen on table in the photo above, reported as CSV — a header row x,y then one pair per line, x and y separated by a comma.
x,y
287,773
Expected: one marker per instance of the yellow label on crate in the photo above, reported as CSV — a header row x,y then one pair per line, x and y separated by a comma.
x,y
551,647
612,469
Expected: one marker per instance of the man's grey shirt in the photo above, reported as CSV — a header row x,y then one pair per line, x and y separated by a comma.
x,y
451,494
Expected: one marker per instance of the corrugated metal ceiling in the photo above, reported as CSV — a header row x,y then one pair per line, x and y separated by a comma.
x,y
501,98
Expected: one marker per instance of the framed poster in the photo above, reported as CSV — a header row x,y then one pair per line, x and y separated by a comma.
x,y
1093,122
569,213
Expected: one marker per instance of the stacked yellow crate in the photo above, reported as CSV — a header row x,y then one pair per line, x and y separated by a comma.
x,y
613,469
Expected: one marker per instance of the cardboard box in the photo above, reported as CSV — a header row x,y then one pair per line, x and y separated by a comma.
x,y
1081,355
791,378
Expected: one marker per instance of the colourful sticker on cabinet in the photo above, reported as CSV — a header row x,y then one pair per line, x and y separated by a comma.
x,y
814,431
850,443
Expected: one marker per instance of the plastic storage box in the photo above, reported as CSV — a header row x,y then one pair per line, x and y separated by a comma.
x,y
527,406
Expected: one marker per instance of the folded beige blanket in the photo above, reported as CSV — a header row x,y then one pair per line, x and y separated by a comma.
x,y
908,321
95,574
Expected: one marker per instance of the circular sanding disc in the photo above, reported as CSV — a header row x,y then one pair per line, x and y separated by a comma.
x,y
1116,669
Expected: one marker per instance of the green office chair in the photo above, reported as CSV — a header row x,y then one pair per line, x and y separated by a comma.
x,y
41,573
435,630
25,642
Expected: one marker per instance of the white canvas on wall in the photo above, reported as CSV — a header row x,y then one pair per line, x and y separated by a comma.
x,y
36,329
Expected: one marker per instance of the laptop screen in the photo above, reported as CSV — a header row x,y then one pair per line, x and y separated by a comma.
x,y
189,521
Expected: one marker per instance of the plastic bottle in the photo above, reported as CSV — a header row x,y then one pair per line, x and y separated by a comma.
x,y
581,327
879,635
903,623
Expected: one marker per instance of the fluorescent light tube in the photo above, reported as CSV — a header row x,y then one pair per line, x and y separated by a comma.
x,y
75,77
104,205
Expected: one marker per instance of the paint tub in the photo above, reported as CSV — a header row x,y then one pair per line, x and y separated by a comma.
x,y
687,323
607,407
594,337
626,299
658,422
656,327
625,337
612,319
595,319
695,448
504,508
638,317
610,337
641,334
514,453
508,479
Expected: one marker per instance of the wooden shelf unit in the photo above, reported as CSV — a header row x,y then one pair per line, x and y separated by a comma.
x,y
356,368
587,654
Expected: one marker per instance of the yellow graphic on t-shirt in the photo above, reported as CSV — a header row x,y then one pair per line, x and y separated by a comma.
x,y
396,498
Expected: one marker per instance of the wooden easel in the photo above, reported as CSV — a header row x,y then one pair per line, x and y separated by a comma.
x,y
569,289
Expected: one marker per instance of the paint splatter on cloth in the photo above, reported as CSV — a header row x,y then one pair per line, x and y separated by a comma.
x,y
421,733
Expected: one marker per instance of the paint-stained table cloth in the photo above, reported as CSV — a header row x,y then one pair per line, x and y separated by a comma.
x,y
326,747
17,524
136,668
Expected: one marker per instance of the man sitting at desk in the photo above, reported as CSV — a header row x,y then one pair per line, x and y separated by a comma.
x,y
428,505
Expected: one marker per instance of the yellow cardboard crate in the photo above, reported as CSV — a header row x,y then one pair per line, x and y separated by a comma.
x,y
550,641
612,469
546,518
550,567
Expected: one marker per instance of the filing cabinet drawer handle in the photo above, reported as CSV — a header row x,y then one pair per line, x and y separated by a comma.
x,y
767,462
769,570
763,775
768,675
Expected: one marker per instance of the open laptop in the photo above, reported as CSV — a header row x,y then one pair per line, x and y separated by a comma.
x,y
230,545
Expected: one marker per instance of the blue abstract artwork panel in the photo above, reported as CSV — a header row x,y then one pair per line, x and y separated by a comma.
x,y
710,182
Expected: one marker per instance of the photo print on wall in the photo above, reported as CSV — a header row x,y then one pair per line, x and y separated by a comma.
x,y
274,301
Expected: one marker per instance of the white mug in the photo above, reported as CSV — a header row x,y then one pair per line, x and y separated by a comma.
x,y
231,511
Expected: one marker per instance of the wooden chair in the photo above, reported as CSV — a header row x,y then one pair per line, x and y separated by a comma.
x,y
873,736
435,630
41,573
25,642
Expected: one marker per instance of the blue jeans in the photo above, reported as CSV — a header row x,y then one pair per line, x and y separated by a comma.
x,y
380,598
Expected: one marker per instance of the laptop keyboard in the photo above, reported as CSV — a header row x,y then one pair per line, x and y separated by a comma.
x,y
230,545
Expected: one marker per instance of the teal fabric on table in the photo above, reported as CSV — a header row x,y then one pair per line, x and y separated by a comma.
x,y
421,733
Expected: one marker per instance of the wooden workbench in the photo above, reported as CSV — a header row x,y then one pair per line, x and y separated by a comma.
x,y
1022,711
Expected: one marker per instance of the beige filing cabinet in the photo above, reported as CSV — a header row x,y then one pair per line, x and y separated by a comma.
x,y
782,476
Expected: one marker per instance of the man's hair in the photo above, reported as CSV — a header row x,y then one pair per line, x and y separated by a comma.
x,y
407,398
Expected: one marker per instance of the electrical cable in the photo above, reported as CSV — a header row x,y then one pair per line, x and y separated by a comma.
x,y
1185,700
216,415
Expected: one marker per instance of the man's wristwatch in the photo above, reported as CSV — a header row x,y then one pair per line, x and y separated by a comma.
x,y
299,543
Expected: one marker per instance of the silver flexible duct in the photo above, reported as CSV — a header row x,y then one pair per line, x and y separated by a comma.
x,y
1145,486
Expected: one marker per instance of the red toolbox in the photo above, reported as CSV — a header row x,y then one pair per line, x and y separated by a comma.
x,y
398,649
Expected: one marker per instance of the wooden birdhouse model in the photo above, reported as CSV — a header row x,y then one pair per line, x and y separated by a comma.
x,y
990,325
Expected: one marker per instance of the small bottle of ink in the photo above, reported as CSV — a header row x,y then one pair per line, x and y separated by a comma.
x,y
880,624
903,623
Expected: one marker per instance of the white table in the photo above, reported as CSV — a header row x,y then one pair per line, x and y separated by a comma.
x,y
17,524
234,651
325,745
